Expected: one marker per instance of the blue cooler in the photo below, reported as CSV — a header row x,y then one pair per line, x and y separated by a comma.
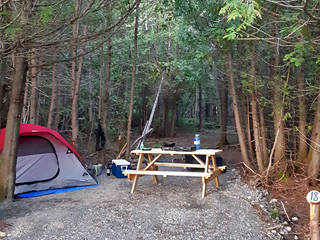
x,y
118,166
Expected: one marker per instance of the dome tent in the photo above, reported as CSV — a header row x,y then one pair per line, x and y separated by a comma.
x,y
46,161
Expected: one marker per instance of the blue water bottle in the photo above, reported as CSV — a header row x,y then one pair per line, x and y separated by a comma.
x,y
196,141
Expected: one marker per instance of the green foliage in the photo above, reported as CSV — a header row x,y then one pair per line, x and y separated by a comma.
x,y
296,57
286,116
282,176
274,212
211,125
45,14
11,31
241,14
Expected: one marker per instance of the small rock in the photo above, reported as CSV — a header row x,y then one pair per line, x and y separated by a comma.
x,y
294,219
273,200
233,170
273,231
285,223
249,197
2,234
288,229
296,237
281,232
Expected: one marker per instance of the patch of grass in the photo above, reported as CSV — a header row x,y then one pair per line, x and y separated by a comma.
x,y
274,212
156,145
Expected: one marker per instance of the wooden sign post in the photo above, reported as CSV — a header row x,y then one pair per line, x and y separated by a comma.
x,y
313,198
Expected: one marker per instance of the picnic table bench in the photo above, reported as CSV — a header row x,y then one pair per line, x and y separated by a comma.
x,y
210,169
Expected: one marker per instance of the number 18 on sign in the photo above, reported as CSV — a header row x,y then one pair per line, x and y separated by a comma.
x,y
313,197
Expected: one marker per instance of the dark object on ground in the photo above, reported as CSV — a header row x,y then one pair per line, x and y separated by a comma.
x,y
100,137
109,169
146,149
167,148
219,160
185,148
167,144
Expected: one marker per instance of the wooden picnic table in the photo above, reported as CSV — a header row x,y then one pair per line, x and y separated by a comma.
x,y
210,169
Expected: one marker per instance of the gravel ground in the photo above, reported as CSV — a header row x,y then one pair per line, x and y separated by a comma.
x,y
172,209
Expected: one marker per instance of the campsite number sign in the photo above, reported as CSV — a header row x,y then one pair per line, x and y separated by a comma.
x,y
313,197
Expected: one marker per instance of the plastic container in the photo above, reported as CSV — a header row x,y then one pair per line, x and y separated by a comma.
x,y
118,166
196,141
98,169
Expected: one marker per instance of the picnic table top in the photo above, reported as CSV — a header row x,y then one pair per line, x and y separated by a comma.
x,y
173,152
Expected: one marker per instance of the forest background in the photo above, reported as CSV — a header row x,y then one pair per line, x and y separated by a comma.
x,y
249,64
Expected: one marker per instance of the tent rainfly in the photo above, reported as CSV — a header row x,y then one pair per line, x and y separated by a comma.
x,y
46,161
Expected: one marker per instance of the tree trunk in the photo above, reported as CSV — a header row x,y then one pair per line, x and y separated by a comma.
x,y
105,107
256,133
313,171
263,136
165,111
90,110
101,79
166,78
277,103
106,85
207,112
76,78
54,94
303,147
3,73
255,116
39,97
214,113
249,128
100,155
135,42
144,116
74,93
223,115
26,103
56,116
8,157
34,88
200,128
173,114
243,147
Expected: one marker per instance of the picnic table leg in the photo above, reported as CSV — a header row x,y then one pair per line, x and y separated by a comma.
x,y
150,158
204,182
204,188
136,177
214,164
